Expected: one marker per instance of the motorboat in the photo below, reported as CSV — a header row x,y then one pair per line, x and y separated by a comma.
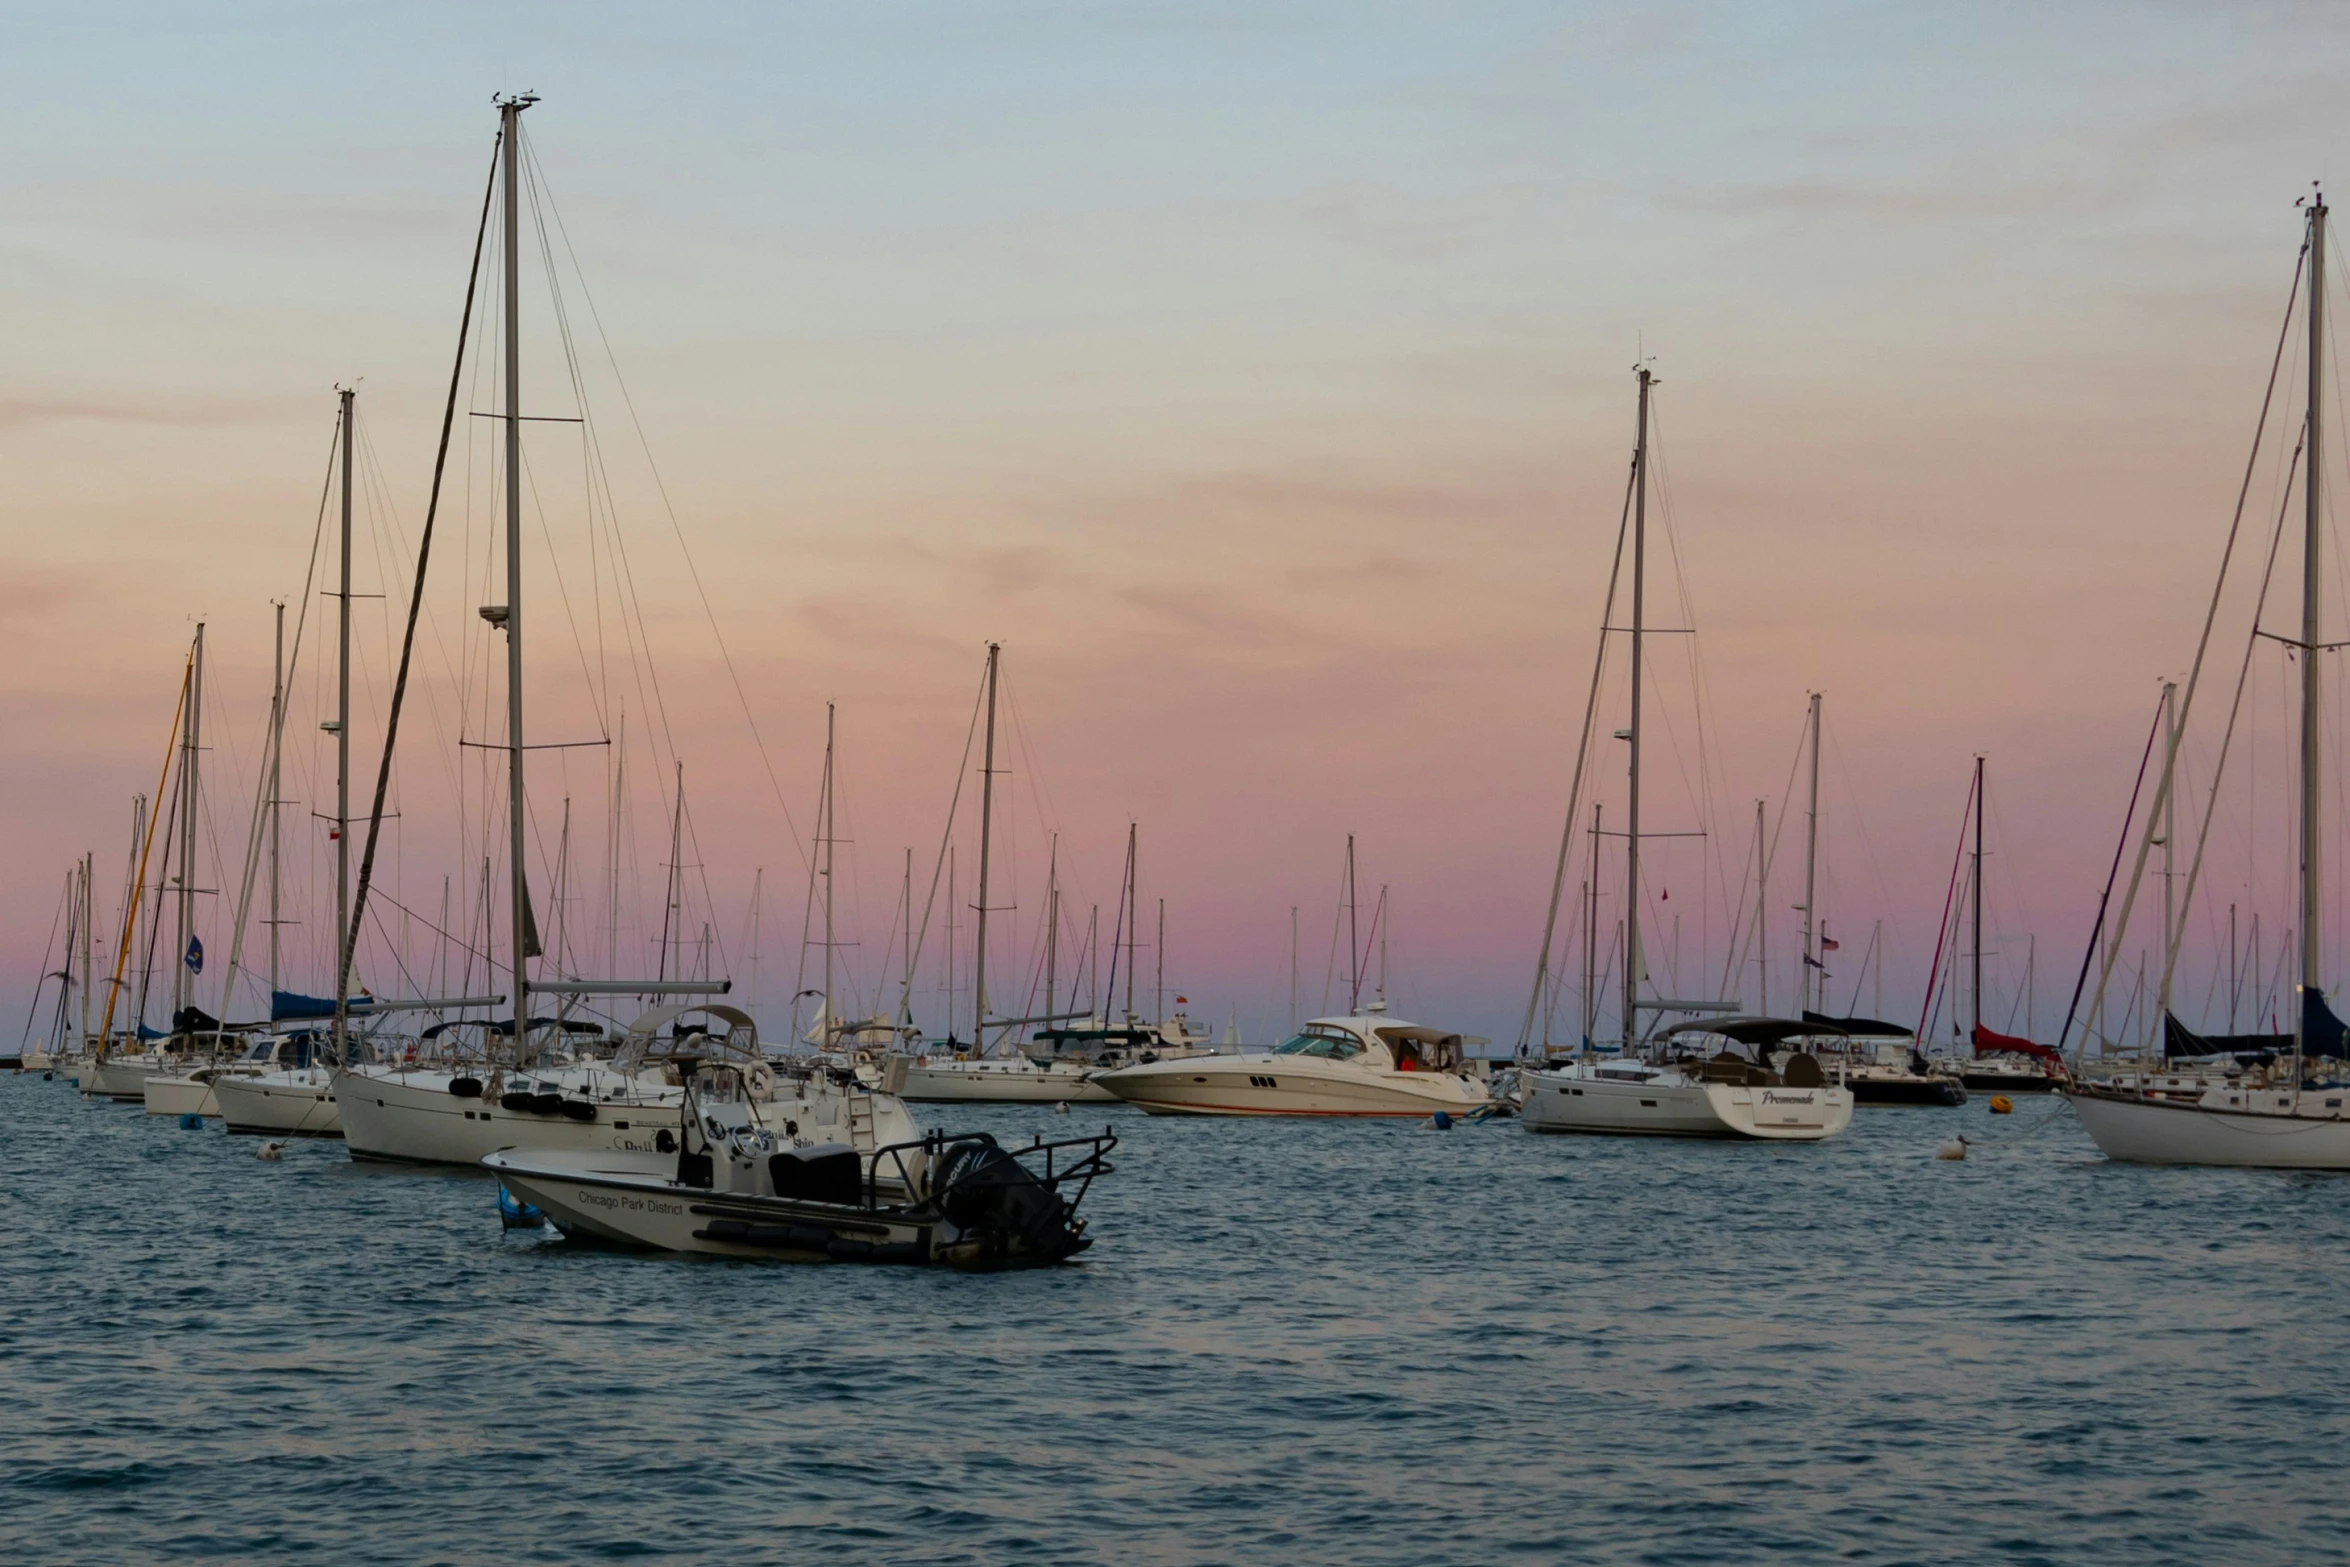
x,y
1738,1089
1367,1065
753,1185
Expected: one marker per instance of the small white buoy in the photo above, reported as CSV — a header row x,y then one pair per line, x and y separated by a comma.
x,y
271,1151
1061,1108
1955,1148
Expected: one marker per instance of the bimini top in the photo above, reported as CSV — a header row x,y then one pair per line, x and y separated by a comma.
x,y
1758,1031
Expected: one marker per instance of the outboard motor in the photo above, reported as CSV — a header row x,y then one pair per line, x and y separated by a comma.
x,y
991,1196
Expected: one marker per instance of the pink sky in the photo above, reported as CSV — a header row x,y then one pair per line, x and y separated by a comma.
x,y
1260,379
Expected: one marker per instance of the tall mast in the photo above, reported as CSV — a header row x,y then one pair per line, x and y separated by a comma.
x,y
906,985
2170,833
1354,956
192,743
1639,637
1978,896
342,991
1160,1000
1293,968
2312,626
89,875
277,737
1052,926
1811,863
986,827
517,871
1133,919
673,895
827,1037
1762,912
1591,941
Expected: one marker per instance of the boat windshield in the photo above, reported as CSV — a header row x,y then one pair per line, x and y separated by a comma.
x,y
1314,1042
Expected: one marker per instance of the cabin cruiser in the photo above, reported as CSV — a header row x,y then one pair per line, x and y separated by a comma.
x,y
743,1180
1736,1089
1370,1065
1056,1066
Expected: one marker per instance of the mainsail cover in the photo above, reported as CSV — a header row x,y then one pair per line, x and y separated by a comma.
x,y
2180,1040
1989,1042
286,1006
1859,1027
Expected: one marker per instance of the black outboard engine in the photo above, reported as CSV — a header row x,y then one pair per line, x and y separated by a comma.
x,y
996,1200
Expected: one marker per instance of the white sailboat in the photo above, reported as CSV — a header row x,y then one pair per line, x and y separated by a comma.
x,y
2263,1119
1658,1086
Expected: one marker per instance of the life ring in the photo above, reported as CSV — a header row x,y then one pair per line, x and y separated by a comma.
x,y
759,1081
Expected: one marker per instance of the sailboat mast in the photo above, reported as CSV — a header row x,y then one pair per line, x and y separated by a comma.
x,y
2312,626
1762,912
1354,959
342,991
1052,925
1811,865
2170,833
1591,941
986,828
192,743
1160,999
1639,638
1133,919
89,919
1978,897
827,1037
509,139
277,746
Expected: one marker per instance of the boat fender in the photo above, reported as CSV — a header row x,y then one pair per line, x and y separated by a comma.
x,y
516,1214
270,1151
546,1104
516,1102
465,1087
1441,1121
1061,1107
2002,1105
1955,1148
580,1109
191,1123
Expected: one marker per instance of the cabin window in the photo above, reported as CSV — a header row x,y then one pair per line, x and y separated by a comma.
x,y
1329,1046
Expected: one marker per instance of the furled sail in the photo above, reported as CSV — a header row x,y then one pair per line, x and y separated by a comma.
x,y
1989,1042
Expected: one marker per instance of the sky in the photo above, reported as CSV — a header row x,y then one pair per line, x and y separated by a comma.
x,y
1259,376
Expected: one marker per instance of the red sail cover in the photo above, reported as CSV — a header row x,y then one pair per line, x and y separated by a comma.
x,y
1988,1043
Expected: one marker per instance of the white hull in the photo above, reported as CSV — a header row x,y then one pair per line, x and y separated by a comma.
x,y
1291,1085
298,1103
120,1078
1573,1102
633,1200
180,1095
2255,1132
413,1118
1019,1082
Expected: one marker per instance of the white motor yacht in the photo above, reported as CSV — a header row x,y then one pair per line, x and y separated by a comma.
x,y
1685,1093
1370,1065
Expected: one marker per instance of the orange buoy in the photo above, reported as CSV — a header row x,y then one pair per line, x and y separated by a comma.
x,y
2002,1105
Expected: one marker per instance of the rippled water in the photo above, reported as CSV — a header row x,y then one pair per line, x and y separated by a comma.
x,y
1294,1342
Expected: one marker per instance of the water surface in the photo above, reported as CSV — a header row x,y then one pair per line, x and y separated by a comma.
x,y
1294,1342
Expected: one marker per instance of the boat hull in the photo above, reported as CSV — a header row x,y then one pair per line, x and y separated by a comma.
x,y
1906,1090
1294,1086
177,1095
1606,1107
123,1081
1993,1080
1000,1082
2132,1129
280,1104
413,1118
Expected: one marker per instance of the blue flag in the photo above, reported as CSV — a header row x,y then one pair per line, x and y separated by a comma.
x,y
195,955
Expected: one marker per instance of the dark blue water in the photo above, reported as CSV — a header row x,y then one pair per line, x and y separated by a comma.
x,y
1295,1342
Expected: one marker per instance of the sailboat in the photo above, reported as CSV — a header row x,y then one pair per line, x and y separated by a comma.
x,y
1725,1075
2281,1118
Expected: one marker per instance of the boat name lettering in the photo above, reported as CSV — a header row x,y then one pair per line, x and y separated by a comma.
x,y
1771,1098
617,1201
